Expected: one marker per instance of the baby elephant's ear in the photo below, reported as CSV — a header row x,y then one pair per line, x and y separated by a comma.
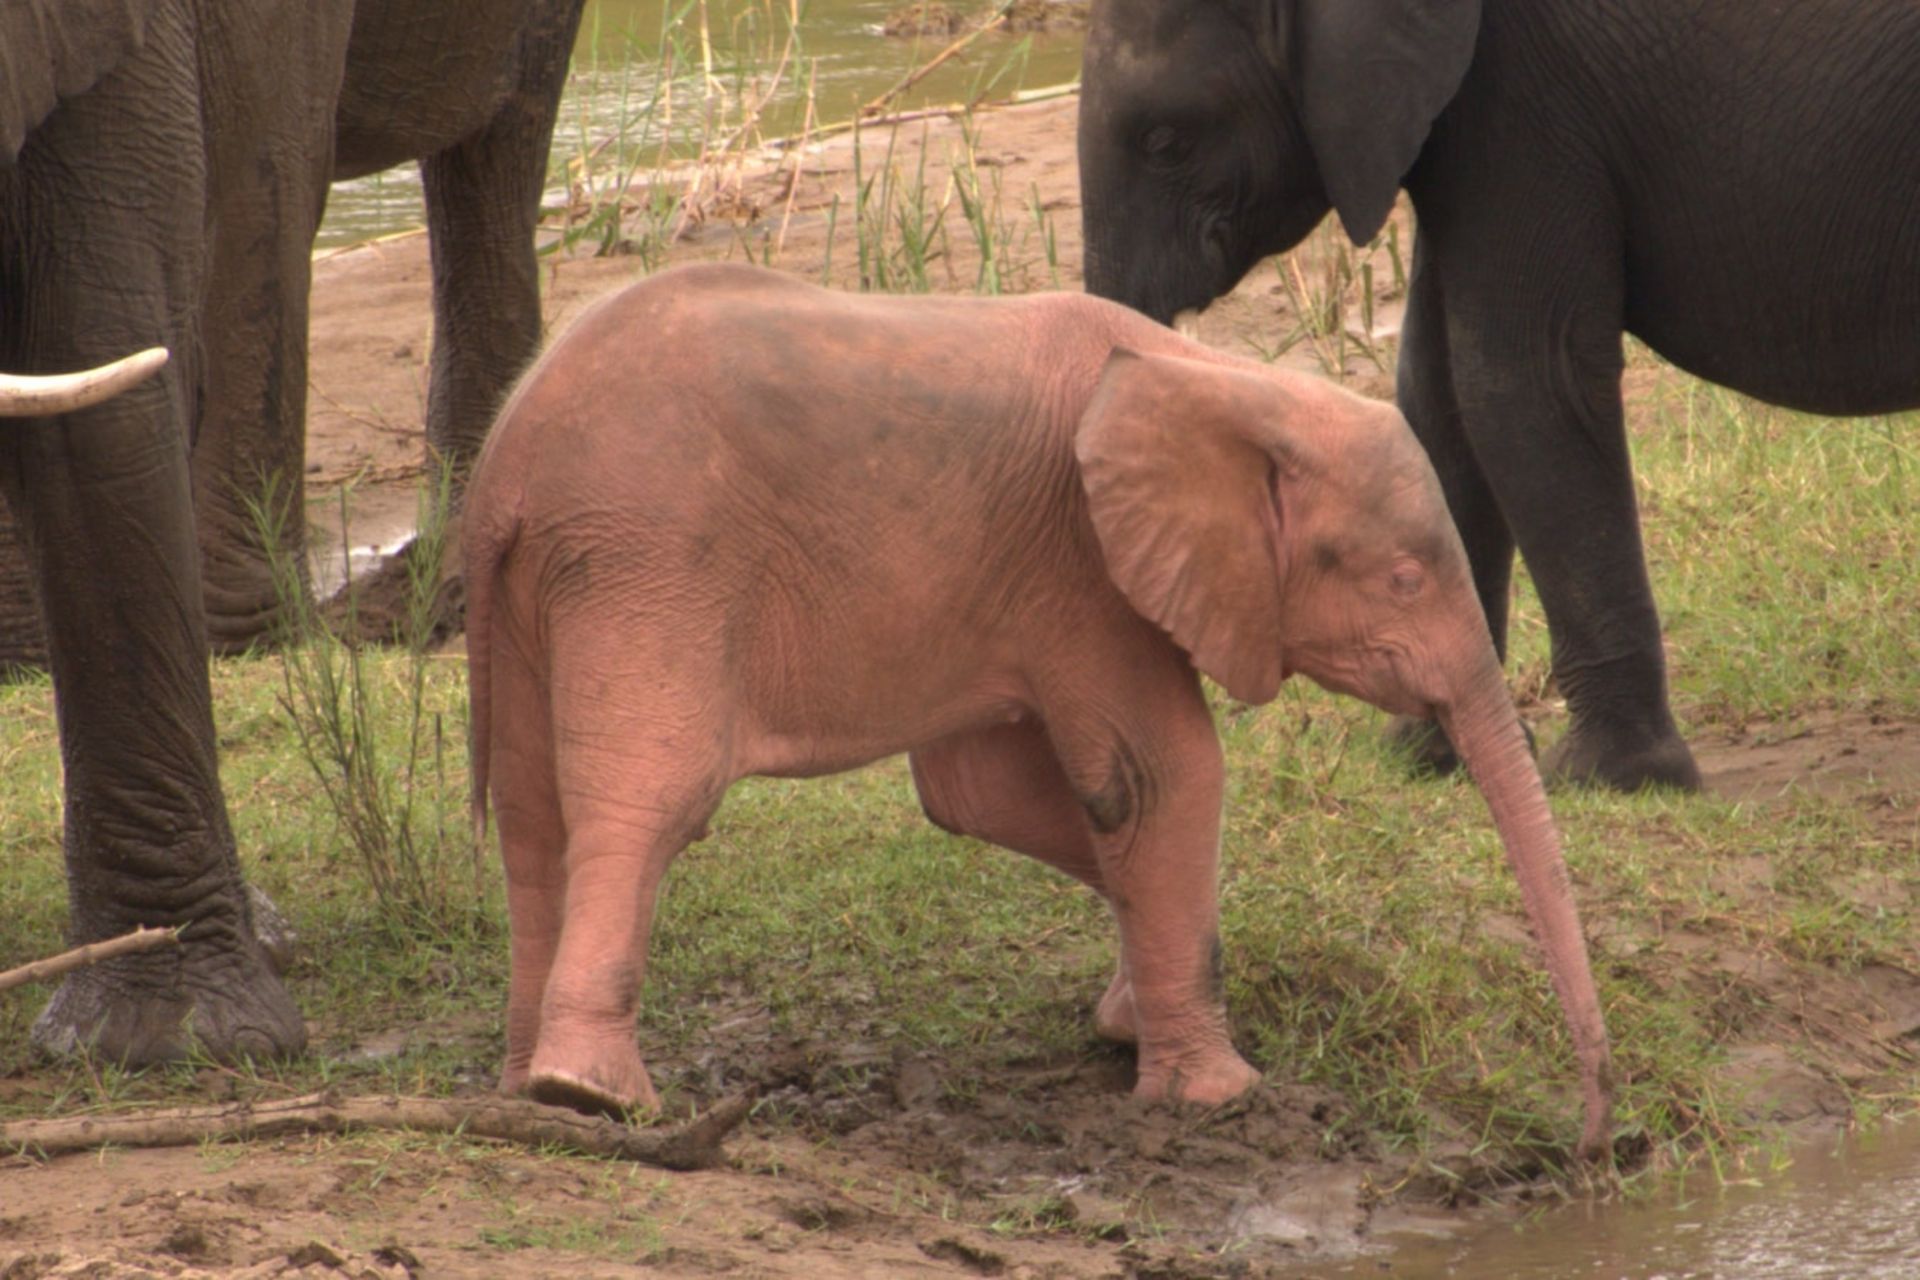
x,y
1181,490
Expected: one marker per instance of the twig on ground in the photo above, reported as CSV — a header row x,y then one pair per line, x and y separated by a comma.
x,y
376,422
142,939
694,1145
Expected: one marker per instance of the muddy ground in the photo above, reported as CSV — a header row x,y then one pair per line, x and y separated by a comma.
x,y
858,1162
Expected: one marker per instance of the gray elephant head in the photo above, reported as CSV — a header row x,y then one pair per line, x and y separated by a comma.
x,y
1216,132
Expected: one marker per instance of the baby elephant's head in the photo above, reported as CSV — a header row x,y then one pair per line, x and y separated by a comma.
x,y
1274,523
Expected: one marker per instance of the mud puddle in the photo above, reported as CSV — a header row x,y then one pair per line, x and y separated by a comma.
x,y
1835,1209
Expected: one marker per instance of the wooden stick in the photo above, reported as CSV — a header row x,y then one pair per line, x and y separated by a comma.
x,y
694,1145
142,939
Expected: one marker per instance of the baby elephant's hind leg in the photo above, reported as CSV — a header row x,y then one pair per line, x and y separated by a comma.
x,y
1005,786
637,783
533,840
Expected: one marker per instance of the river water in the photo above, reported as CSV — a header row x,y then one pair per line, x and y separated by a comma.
x,y
629,55
1842,1208
1837,1210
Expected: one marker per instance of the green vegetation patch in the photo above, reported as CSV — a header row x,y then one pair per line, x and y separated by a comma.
x,y
825,938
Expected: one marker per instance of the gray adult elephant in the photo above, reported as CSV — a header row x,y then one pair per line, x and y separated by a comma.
x,y
1733,183
472,90
162,165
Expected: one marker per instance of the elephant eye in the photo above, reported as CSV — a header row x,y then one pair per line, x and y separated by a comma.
x,y
1164,144
1407,580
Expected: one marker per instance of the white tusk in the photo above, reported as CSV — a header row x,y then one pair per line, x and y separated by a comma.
x,y
1187,323
28,396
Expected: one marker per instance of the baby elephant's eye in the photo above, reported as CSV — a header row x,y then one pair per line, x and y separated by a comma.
x,y
1407,580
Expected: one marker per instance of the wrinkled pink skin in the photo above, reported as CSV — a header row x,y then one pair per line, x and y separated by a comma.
x,y
826,528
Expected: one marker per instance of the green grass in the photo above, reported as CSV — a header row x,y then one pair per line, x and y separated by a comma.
x,y
1818,604
1371,927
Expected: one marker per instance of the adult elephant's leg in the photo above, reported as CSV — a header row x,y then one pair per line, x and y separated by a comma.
x,y
1426,396
271,160
109,262
1533,323
105,496
483,199
22,644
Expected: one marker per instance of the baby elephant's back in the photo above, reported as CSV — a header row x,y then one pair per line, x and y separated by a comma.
x,y
841,476
727,376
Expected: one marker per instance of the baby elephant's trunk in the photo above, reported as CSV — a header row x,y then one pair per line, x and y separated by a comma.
x,y
1486,731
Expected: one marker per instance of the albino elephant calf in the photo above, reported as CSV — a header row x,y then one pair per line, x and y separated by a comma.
x,y
734,524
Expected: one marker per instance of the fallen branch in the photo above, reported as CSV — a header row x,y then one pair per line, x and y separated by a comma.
x,y
694,1145
142,939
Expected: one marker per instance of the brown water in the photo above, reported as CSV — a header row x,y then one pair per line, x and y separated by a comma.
x,y
618,100
1840,1209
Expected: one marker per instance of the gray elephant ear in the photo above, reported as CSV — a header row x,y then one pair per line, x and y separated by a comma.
x,y
55,49
1180,489
1372,77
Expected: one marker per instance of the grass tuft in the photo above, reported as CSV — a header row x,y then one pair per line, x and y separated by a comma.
x,y
375,735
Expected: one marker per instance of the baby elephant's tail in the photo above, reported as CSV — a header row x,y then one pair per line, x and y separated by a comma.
x,y
486,543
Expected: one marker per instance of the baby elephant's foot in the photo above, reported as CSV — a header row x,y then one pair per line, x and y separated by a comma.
x,y
608,1080
1114,1019
513,1077
1207,1076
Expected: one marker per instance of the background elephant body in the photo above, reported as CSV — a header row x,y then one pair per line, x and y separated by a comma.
x,y
164,166
161,175
818,534
471,89
1732,183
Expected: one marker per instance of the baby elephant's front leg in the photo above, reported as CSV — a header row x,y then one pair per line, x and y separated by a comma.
x,y
1156,821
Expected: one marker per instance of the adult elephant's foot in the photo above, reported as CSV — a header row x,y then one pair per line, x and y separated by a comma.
x,y
601,1075
413,597
174,1002
1114,1018
253,557
244,606
1208,1073
1624,758
1423,744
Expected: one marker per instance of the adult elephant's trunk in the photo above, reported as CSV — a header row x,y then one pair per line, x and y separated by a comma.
x,y
1486,731
1108,271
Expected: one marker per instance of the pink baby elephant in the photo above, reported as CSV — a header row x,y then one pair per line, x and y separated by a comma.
x,y
735,524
